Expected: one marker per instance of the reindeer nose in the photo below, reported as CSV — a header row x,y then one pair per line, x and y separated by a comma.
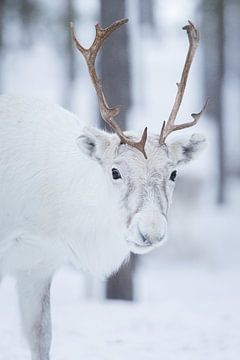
x,y
145,238
149,240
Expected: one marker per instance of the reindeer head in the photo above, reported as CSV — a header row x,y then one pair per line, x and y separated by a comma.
x,y
142,172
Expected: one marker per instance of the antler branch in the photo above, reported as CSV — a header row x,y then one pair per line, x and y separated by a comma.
x,y
170,126
108,114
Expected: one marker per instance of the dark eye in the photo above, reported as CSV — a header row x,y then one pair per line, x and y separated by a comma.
x,y
116,174
173,175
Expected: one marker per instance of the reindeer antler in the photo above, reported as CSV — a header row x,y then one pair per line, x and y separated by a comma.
x,y
108,114
170,126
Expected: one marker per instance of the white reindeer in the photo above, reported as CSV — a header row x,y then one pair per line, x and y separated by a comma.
x,y
71,194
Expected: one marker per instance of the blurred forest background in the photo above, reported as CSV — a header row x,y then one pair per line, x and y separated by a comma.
x,y
140,66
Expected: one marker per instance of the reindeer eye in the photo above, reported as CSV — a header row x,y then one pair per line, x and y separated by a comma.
x,y
116,174
173,175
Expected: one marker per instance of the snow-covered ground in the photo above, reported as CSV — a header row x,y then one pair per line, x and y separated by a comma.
x,y
195,316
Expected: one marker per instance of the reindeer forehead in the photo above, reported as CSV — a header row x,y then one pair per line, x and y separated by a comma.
x,y
130,158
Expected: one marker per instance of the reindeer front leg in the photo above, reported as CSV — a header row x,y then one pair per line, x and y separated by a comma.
x,y
34,299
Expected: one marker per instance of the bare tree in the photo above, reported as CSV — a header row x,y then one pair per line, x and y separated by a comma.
x,y
214,68
27,12
69,62
146,12
2,6
232,53
115,72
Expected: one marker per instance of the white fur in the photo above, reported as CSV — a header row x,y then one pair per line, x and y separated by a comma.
x,y
52,195
59,203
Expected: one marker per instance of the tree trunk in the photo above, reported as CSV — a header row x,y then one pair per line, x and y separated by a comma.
x,y
214,66
232,51
115,73
146,12
69,64
2,4
121,284
115,69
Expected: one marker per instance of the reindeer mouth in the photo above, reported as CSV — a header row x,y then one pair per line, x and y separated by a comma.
x,y
137,248
143,245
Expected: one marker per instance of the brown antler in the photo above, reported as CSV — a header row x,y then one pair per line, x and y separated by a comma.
x,y
170,126
108,114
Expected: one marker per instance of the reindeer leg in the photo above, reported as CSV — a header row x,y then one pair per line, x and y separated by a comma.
x,y
34,299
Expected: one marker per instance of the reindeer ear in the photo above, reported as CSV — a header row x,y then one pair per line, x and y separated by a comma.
x,y
94,142
186,149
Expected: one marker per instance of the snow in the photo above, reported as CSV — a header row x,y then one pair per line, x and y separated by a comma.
x,y
195,315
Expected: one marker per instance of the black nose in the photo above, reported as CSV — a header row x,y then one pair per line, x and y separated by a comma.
x,y
145,239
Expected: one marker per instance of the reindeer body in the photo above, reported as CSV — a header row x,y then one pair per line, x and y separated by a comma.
x,y
51,197
61,205
71,194
52,194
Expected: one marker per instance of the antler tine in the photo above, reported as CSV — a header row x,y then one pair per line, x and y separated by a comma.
x,y
195,117
170,126
108,114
